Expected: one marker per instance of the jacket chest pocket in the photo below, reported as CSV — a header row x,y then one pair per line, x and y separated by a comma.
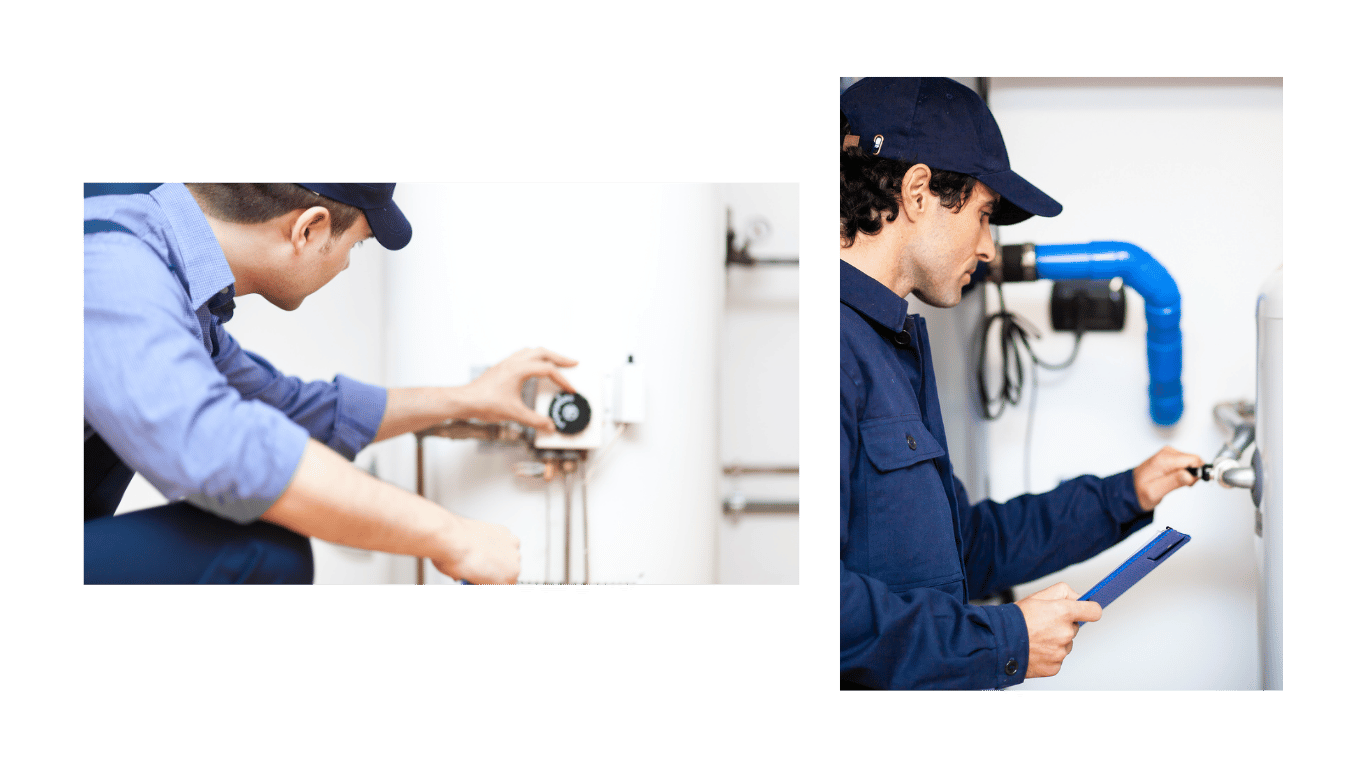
x,y
911,538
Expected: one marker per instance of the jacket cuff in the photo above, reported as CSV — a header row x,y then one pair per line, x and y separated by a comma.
x,y
1012,648
360,409
1122,501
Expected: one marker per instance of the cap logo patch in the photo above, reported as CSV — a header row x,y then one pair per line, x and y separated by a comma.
x,y
877,143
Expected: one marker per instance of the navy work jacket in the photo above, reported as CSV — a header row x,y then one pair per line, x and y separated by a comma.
x,y
913,551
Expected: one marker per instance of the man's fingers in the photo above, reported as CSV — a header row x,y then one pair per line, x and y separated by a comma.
x,y
1169,459
541,353
1165,484
533,419
1086,610
554,375
1059,591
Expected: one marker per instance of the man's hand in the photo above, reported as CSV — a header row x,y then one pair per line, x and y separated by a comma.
x,y
480,553
1162,473
330,499
497,394
1051,616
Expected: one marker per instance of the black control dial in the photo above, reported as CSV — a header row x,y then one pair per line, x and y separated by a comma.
x,y
570,412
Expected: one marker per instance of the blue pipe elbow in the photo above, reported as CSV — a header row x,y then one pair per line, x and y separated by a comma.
x,y
1106,259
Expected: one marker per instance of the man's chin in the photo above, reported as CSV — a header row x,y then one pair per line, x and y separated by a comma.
x,y
943,302
288,305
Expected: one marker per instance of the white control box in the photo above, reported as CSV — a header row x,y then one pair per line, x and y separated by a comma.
x,y
592,386
628,402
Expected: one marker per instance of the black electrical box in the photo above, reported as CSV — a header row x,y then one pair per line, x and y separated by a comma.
x,y
1087,305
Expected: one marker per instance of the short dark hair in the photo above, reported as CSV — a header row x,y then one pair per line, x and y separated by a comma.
x,y
259,203
871,186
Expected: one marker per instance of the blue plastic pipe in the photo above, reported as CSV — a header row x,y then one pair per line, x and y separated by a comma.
x,y
1105,259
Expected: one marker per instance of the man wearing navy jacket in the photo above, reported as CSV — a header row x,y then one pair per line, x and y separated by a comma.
x,y
923,173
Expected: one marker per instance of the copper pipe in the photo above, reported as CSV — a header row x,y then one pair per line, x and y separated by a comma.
x,y
504,432
568,512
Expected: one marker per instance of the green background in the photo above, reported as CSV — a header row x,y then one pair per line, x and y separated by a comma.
x,y
661,674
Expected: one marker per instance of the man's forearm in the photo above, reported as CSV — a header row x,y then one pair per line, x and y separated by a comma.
x,y
414,408
495,396
330,499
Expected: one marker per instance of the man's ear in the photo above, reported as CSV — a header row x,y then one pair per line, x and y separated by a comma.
x,y
311,228
915,191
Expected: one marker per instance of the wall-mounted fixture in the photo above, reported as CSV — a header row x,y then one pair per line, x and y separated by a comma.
x,y
589,419
740,256
736,504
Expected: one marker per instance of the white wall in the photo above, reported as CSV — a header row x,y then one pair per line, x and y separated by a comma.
x,y
596,272
1191,172
759,413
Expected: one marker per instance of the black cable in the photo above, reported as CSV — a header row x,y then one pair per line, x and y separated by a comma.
x,y
1014,334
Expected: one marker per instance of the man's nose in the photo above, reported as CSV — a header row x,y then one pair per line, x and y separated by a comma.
x,y
986,247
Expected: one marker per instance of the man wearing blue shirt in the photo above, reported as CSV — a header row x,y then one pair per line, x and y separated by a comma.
x,y
923,173
254,461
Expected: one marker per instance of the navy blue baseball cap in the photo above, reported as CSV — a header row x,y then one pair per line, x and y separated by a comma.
x,y
945,125
390,226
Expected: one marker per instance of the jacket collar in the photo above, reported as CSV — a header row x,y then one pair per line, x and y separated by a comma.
x,y
871,299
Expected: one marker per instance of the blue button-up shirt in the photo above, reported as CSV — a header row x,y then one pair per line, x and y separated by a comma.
x,y
169,389
913,550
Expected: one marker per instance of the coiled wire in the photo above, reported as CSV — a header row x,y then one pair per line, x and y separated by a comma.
x,y
1013,338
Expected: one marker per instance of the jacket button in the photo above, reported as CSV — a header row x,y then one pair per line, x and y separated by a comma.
x,y
1012,667
910,441
903,338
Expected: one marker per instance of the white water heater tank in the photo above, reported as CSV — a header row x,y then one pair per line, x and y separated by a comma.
x,y
1267,491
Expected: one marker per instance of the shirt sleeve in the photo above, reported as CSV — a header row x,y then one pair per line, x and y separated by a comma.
x,y
919,637
343,414
153,393
1034,535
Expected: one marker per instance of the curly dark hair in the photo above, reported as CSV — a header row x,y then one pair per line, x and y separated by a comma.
x,y
871,186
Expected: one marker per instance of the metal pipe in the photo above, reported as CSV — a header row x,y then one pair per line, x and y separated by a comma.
x,y
1242,437
568,504
1237,477
583,494
547,532
1239,418
1224,467
740,469
737,503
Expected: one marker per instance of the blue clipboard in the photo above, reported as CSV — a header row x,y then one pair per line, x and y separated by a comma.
x,y
1153,554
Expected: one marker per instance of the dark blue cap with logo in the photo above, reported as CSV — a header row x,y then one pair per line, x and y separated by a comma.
x,y
945,125
387,222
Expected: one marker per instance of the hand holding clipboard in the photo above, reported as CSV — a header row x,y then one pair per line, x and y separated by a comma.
x,y
1153,554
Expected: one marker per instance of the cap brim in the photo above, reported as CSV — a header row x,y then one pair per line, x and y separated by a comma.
x,y
1019,198
390,226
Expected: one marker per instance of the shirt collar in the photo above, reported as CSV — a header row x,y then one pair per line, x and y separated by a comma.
x,y
206,268
871,299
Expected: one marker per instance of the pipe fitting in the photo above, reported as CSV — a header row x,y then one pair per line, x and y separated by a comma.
x,y
1238,477
1103,260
